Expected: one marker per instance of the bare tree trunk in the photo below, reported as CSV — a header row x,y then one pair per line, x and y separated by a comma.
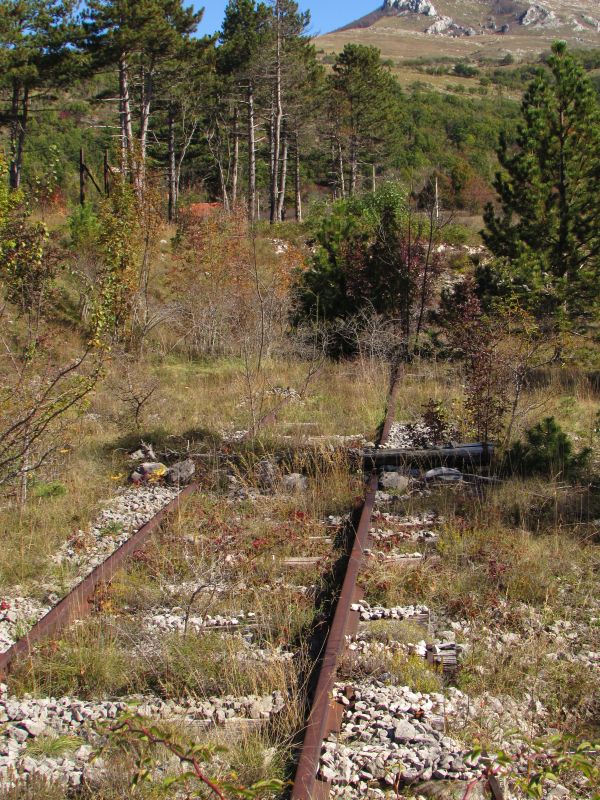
x,y
236,157
171,167
271,150
251,156
147,96
19,120
373,179
278,117
282,185
353,165
342,178
126,124
223,179
297,186
187,141
14,135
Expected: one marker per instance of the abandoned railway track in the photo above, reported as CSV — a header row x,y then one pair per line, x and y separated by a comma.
x,y
327,764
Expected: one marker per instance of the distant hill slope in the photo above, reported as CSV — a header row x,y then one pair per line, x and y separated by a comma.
x,y
405,29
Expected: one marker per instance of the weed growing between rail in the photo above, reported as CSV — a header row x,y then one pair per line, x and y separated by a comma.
x,y
516,584
220,559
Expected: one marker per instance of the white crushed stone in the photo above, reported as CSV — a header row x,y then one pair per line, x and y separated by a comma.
x,y
24,720
173,620
415,435
391,729
122,515
368,612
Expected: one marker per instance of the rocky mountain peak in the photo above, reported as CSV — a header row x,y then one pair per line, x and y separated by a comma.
x,y
411,7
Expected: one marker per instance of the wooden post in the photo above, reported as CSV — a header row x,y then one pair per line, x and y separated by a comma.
x,y
81,177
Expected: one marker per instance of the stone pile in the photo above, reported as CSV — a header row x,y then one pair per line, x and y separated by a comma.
x,y
369,613
22,721
171,620
122,515
387,730
574,641
17,615
409,436
391,729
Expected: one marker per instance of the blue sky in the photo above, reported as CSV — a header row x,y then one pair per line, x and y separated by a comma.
x,y
326,15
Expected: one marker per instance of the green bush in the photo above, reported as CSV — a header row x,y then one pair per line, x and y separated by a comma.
x,y
546,451
84,227
52,489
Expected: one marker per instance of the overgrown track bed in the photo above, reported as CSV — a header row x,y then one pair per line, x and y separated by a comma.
x,y
202,632
463,658
451,630
79,601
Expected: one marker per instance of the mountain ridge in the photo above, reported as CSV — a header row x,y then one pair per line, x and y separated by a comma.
x,y
521,27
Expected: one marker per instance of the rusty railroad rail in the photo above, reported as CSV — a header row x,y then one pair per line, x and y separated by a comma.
x,y
79,602
325,715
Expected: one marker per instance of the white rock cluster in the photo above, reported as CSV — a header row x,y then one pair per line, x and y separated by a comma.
x,y
173,620
414,435
17,615
574,641
368,649
405,529
412,7
391,729
369,613
537,15
24,720
122,515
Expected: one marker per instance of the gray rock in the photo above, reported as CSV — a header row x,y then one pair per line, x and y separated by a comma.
x,y
267,474
33,727
558,792
405,732
20,735
395,481
294,482
181,472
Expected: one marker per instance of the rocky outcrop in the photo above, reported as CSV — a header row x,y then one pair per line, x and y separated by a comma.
x,y
537,15
446,25
592,22
441,25
411,6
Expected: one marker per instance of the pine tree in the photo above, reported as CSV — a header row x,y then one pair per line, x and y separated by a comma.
x,y
363,100
140,37
243,37
548,226
34,57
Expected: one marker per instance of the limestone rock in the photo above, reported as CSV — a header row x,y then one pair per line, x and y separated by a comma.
x,y
394,480
294,482
181,472
537,15
414,6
